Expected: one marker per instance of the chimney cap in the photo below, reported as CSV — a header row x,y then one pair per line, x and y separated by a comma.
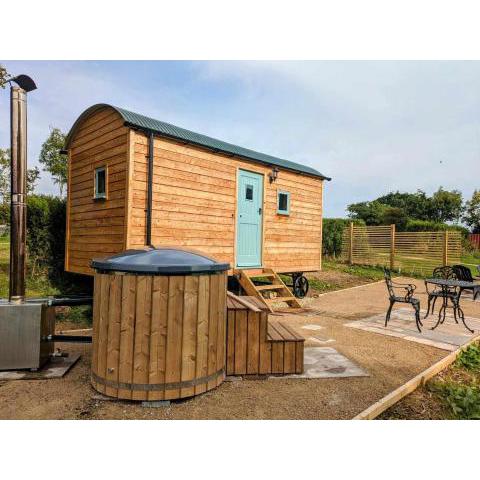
x,y
25,82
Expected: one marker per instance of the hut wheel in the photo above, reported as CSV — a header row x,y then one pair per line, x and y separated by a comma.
x,y
300,285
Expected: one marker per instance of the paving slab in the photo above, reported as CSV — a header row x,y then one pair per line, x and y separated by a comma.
x,y
447,336
326,362
56,367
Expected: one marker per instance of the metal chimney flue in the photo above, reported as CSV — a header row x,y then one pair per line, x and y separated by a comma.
x,y
18,177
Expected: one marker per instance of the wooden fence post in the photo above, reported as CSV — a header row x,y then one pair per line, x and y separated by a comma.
x,y
445,247
392,247
350,252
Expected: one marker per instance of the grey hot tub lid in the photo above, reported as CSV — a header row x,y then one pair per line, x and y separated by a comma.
x,y
165,261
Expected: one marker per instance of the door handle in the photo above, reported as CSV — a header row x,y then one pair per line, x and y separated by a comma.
x,y
260,211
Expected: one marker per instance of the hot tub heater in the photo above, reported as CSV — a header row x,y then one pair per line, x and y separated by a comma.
x,y
25,326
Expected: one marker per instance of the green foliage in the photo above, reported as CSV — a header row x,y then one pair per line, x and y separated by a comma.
x,y
4,213
46,220
33,174
395,215
415,205
81,315
398,208
332,232
469,358
52,160
459,389
463,400
370,212
446,206
472,212
3,76
430,226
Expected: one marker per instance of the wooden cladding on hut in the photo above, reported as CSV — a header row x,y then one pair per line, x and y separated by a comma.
x,y
195,196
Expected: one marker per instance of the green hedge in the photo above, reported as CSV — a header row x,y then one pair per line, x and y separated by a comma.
x,y
332,235
428,226
46,222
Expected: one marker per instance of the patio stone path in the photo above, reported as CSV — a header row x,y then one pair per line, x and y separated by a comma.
x,y
447,336
326,362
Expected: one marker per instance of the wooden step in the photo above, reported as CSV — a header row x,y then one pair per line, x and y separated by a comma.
x,y
280,299
284,294
259,275
262,288
255,345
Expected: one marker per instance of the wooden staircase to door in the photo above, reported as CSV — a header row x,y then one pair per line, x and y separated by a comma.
x,y
266,285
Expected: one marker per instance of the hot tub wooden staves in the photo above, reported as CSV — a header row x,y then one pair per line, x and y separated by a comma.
x,y
158,337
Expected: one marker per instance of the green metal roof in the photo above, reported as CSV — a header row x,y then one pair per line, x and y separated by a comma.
x,y
160,128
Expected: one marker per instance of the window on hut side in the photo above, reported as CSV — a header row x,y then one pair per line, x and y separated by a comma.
x,y
283,203
101,182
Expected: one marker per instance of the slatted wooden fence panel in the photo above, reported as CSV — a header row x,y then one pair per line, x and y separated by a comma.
x,y
417,252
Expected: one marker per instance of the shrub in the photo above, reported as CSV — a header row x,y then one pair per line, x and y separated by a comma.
x,y
46,221
429,226
469,358
4,213
332,234
463,400
394,215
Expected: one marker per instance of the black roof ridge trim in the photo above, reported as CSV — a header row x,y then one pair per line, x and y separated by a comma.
x,y
148,124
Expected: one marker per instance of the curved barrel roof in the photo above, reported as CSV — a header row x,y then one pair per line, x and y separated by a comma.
x,y
141,122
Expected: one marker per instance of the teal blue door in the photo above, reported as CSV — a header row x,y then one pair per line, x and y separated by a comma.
x,y
249,219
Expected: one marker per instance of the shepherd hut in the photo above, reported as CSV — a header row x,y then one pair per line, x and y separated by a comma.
x,y
134,181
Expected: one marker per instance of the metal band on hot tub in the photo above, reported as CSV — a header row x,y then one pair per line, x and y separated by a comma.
x,y
159,386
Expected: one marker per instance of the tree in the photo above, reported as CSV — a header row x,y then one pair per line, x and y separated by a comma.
x,y
3,76
53,161
415,205
472,212
395,215
33,174
370,212
443,206
446,206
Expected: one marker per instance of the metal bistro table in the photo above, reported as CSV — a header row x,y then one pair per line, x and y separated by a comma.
x,y
447,293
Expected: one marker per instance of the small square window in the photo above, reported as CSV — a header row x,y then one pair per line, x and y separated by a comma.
x,y
283,203
249,192
100,183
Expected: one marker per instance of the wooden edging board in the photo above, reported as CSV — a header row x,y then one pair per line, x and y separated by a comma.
x,y
386,402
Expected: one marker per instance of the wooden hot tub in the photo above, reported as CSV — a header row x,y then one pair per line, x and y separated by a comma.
x,y
159,320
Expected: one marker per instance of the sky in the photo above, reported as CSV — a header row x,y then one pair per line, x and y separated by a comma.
x,y
373,126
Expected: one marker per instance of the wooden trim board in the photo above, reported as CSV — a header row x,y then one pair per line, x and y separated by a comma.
x,y
393,397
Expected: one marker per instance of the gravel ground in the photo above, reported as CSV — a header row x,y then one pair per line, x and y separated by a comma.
x,y
390,362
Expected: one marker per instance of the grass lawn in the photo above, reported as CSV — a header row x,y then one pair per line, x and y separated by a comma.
x,y
452,394
472,260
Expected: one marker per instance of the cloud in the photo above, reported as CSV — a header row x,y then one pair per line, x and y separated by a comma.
x,y
372,126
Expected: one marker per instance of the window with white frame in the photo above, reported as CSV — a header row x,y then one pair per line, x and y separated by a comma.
x,y
100,183
283,203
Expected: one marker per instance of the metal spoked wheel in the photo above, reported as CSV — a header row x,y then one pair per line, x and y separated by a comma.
x,y
300,286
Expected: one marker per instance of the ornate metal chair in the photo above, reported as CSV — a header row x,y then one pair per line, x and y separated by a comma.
x,y
464,273
444,273
407,297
